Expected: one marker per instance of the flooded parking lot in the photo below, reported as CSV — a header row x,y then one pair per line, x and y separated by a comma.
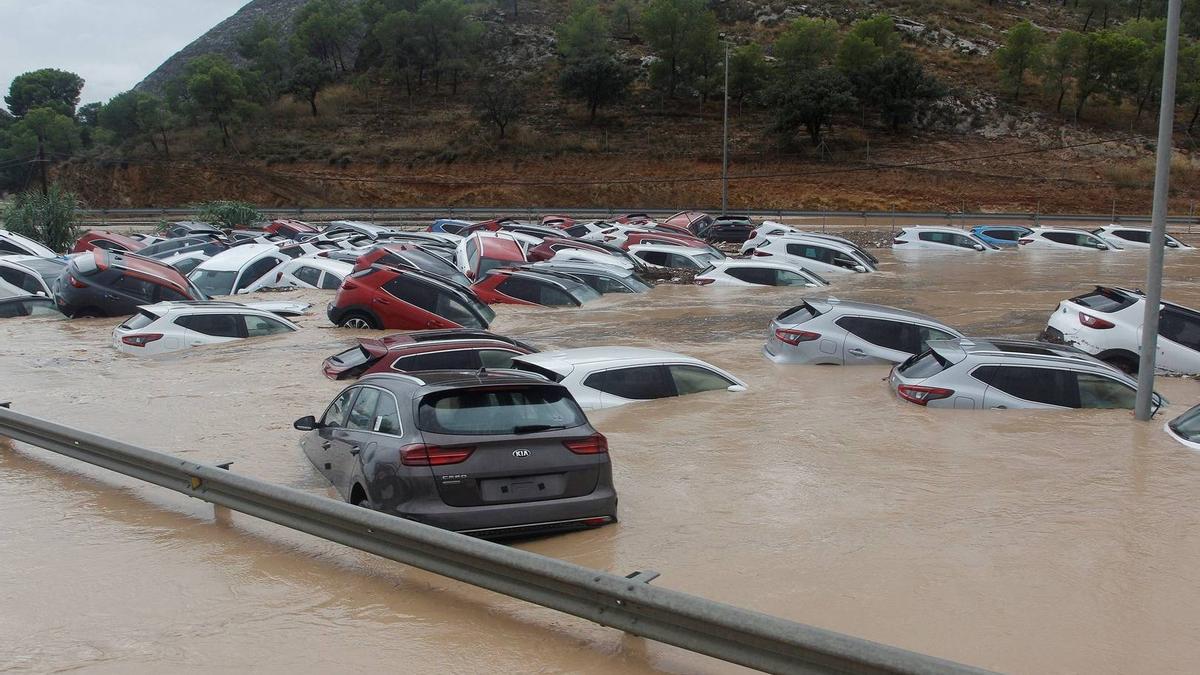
x,y
1023,541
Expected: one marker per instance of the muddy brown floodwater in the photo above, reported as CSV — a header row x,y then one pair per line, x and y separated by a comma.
x,y
1019,541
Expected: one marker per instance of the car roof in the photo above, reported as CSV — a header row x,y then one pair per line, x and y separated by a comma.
x,y
326,264
234,259
747,262
578,267
419,383
204,307
933,228
828,304
568,359
1005,348
502,248
1072,230
669,248
805,238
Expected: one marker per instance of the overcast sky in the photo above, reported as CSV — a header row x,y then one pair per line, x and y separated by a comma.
x,y
112,44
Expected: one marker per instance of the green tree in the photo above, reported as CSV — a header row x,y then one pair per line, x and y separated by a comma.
x,y
599,80
748,73
403,50
1021,53
229,215
1146,82
47,217
856,54
500,102
623,17
1097,7
899,87
326,29
88,120
1058,63
309,77
1107,63
216,89
809,100
807,44
672,27
702,65
881,30
1189,79
268,58
585,32
46,88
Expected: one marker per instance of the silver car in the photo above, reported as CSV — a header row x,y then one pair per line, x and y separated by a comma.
x,y
997,374
829,331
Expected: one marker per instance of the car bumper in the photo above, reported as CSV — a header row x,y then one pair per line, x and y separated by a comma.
x,y
501,520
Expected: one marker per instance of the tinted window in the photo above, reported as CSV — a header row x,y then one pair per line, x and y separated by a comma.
x,y
499,412
889,334
655,258
362,415
309,275
330,281
413,292
139,288
258,326
1179,327
577,231
1041,385
693,379
139,321
921,366
22,280
1062,237
521,288
753,275
335,415
216,325
496,358
1133,235
1097,391
187,265
450,308
950,238
1105,300
256,271
9,247
1004,235
459,359
640,383
167,294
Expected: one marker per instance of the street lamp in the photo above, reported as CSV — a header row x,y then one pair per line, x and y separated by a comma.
x,y
725,137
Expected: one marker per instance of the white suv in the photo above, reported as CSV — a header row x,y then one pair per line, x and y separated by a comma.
x,y
1065,239
947,239
1134,237
173,326
818,254
1107,323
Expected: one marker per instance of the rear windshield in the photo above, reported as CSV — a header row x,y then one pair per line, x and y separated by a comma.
x,y
140,320
351,357
506,410
799,313
921,366
1105,300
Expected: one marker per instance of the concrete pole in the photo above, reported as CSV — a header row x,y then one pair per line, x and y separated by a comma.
x,y
725,141
1162,173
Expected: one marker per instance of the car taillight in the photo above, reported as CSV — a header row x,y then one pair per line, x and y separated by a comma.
x,y
922,395
420,454
75,282
349,285
795,337
1094,322
592,445
1022,242
898,241
141,340
704,282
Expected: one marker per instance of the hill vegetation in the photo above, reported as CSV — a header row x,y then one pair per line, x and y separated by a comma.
x,y
427,101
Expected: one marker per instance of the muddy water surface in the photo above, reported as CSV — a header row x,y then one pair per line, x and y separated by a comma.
x,y
1017,541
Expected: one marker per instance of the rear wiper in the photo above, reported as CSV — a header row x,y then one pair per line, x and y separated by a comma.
x,y
534,428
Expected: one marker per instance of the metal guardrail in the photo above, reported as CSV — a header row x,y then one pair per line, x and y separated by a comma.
x,y
482,213
629,603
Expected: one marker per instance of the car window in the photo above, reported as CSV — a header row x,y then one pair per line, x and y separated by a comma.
x,y
639,383
1098,391
553,296
362,414
694,379
413,292
187,265
1133,235
256,271
1003,235
811,252
335,414
9,247
454,359
578,230
496,358
387,414
1040,385
790,278
655,258
450,308
168,294
521,288
888,334
258,326
1062,237
309,275
139,288
682,261
1179,327
753,275
27,282
216,325
330,281
925,334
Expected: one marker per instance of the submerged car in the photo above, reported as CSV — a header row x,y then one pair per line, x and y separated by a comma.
x,y
947,239
1186,428
12,306
32,274
969,374
388,297
676,257
108,283
603,278
492,454
174,326
457,349
743,272
831,332
480,253
605,377
821,255
292,229
1126,236
171,247
106,240
732,229
413,256
1065,239
12,243
235,270
305,273
1107,323
1004,236
523,286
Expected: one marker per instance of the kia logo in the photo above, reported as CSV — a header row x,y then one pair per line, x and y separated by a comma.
x,y
520,453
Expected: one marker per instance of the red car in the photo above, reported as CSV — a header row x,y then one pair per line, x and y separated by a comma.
x,y
560,222
551,246
527,287
109,241
688,221
292,229
388,297
476,254
666,238
411,256
426,350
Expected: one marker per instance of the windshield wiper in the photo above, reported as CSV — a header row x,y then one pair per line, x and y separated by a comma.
x,y
534,428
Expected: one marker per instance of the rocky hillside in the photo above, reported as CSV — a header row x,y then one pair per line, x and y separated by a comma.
x,y
221,39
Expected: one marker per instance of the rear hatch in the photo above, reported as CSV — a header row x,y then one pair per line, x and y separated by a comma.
x,y
507,444
356,360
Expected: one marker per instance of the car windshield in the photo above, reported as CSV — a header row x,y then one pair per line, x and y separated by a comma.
x,y
47,268
213,282
1187,425
499,410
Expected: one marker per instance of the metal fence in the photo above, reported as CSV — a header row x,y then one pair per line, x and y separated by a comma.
x,y
628,603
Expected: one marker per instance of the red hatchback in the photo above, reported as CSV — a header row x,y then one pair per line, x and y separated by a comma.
x,y
292,229
667,238
109,241
477,254
387,297
426,350
529,287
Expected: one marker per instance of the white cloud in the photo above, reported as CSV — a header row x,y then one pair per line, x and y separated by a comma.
x,y
112,44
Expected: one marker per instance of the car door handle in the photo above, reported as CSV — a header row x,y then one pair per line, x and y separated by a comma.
x,y
858,352
326,445
354,450
1000,407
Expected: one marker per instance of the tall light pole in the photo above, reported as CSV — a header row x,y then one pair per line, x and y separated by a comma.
x,y
1158,219
725,137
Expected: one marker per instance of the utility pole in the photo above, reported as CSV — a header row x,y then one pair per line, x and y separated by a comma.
x,y
725,138
1158,219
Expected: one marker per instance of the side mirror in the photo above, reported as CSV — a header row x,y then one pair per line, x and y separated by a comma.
x,y
1102,247
243,291
736,388
1172,244
977,247
859,268
308,423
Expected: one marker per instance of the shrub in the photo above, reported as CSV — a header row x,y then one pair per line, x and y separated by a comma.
x,y
229,214
48,218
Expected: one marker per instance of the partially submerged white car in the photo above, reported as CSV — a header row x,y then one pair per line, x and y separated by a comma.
x,y
943,239
173,326
819,254
1107,323
606,377
751,272
234,270
658,255
34,274
1126,236
12,243
1186,428
305,273
1065,239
